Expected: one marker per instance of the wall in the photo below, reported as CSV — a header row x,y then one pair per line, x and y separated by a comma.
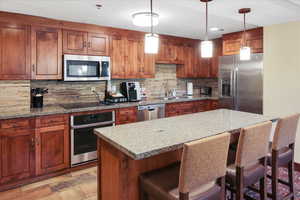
x,y
282,72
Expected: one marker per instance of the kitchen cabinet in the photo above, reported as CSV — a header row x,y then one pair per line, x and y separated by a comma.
x,y
17,156
129,60
189,68
232,42
52,144
15,51
214,62
77,42
202,106
214,105
169,52
46,53
126,115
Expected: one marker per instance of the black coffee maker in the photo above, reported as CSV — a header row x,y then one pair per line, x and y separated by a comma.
x,y
37,97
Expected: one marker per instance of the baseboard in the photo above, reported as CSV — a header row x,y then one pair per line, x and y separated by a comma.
x,y
297,167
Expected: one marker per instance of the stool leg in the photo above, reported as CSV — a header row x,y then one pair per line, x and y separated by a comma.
x,y
274,175
239,183
291,178
262,189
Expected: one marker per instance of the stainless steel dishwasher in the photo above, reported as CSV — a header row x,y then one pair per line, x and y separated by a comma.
x,y
150,112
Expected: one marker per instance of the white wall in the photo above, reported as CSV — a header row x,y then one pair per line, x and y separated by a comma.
x,y
282,72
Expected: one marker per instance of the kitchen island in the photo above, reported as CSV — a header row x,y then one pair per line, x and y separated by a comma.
x,y
128,150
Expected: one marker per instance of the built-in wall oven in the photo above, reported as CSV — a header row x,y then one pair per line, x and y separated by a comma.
x,y
83,139
86,68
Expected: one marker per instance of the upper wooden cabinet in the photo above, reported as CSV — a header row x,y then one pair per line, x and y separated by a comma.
x,y
46,53
232,42
169,52
77,42
129,60
15,48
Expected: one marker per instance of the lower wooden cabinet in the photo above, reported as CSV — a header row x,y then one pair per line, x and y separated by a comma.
x,y
126,115
52,149
17,156
182,108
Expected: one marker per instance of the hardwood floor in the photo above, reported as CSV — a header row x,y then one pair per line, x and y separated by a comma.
x,y
79,185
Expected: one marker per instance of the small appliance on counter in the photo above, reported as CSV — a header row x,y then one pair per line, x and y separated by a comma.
x,y
131,90
189,89
37,97
206,91
115,98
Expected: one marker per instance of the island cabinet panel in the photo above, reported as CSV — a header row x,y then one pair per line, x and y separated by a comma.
x,y
46,53
126,115
52,143
17,154
118,175
15,51
232,42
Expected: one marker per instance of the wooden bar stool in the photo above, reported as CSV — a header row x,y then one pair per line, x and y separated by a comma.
x,y
282,154
251,161
200,176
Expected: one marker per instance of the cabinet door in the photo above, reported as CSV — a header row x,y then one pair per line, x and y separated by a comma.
x,y
126,115
74,42
118,57
255,40
17,156
15,52
52,149
98,44
214,67
148,70
46,53
204,69
132,69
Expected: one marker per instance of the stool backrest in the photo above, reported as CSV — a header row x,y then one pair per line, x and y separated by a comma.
x,y
285,132
203,161
253,144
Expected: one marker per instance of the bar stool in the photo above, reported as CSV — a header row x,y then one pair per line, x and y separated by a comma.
x,y
251,161
200,176
282,154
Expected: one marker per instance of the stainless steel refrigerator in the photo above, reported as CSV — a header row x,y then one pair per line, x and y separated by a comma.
x,y
241,83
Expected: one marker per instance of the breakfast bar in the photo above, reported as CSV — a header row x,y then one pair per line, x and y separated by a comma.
x,y
129,150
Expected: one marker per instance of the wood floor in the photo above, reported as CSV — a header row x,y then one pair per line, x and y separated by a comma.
x,y
79,185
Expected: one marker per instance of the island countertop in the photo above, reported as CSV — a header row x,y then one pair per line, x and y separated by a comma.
x,y
145,139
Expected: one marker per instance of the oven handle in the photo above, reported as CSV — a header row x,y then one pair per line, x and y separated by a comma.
x,y
92,125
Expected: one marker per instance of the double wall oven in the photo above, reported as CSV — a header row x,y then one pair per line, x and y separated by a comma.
x,y
83,139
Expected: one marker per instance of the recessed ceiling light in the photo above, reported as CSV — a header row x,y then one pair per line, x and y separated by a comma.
x,y
215,29
144,19
98,6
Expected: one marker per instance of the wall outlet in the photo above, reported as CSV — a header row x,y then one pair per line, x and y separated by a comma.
x,y
93,89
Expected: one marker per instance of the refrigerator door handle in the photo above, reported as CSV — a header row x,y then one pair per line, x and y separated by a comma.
x,y
235,70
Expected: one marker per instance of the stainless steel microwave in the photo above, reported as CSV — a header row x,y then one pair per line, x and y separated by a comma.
x,y
86,68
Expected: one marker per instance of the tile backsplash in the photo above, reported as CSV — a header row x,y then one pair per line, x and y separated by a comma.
x,y
17,93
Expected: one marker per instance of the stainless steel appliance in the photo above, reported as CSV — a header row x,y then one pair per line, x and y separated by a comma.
x,y
37,97
206,91
86,68
241,83
131,90
150,112
83,139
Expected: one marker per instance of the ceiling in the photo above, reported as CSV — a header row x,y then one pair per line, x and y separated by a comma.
x,y
183,18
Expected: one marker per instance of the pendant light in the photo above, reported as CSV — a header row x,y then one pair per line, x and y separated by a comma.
x,y
143,19
151,39
245,51
206,45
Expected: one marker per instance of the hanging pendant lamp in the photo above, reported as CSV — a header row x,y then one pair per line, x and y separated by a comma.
x,y
206,45
151,39
245,51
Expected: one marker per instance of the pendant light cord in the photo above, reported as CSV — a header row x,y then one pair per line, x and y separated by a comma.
x,y
206,32
244,39
151,7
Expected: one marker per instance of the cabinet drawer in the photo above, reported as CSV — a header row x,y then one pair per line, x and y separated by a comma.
x,y
51,120
126,115
26,123
202,106
214,104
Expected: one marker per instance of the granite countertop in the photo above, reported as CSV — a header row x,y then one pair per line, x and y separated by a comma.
x,y
145,139
58,109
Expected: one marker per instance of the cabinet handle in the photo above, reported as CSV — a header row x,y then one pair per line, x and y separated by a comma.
x,y
33,142
37,141
89,45
33,68
84,44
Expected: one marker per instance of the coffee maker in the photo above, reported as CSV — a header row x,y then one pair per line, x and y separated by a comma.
x,y
131,90
37,97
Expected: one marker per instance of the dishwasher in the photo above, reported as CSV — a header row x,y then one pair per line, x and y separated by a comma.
x,y
151,112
